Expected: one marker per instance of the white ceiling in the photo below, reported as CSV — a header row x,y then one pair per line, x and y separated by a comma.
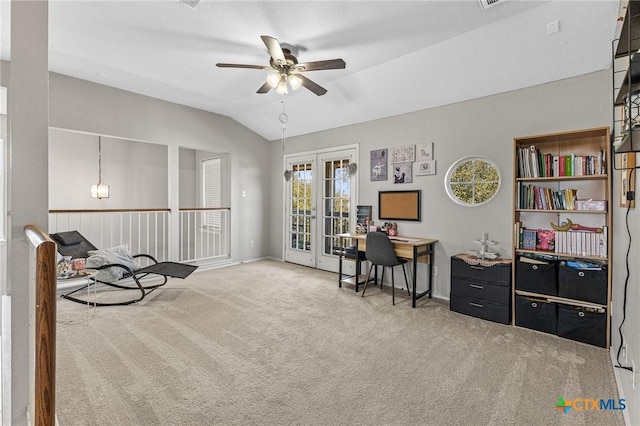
x,y
401,56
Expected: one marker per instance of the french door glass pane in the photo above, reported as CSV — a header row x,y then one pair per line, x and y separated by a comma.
x,y
301,200
336,196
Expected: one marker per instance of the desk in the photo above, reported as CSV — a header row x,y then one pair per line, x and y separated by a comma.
x,y
411,248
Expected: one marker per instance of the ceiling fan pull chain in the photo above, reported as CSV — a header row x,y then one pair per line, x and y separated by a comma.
x,y
283,119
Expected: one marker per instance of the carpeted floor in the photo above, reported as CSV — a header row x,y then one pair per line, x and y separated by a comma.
x,y
274,343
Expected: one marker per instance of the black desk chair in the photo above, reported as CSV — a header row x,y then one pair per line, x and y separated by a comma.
x,y
380,252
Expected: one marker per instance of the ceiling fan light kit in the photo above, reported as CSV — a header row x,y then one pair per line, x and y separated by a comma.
x,y
288,72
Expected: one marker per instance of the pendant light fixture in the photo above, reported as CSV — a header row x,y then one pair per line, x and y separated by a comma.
x,y
100,190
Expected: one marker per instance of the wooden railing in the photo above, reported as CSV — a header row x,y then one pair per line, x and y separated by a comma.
x,y
43,257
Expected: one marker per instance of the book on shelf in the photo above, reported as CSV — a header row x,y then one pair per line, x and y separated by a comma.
x,y
532,163
540,198
582,243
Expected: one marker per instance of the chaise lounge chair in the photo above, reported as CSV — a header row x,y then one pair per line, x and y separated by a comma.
x,y
115,266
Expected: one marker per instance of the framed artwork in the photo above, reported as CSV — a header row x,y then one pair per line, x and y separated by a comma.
x,y
378,170
399,205
627,178
426,168
403,154
402,173
424,152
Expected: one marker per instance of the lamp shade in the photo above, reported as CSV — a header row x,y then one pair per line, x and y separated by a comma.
x,y
100,191
295,81
273,79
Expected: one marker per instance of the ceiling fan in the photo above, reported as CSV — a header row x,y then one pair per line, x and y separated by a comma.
x,y
288,72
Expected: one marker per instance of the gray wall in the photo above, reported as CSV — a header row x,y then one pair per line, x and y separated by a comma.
x,y
486,127
135,171
82,106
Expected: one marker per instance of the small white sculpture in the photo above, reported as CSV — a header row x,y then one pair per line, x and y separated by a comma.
x,y
483,253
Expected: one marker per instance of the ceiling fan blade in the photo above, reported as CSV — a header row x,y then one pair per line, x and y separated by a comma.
x,y
314,87
274,48
264,88
253,67
330,64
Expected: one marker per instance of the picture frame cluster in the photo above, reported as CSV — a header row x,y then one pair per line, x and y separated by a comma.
x,y
402,160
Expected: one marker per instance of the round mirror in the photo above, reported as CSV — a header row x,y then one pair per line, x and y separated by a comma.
x,y
472,181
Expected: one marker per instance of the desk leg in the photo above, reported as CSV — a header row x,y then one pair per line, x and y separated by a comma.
x,y
429,291
414,279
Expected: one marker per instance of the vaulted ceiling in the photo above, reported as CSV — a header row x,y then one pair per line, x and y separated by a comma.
x,y
401,56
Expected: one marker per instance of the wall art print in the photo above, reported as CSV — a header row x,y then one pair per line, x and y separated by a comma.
x,y
403,154
424,152
378,170
402,173
426,168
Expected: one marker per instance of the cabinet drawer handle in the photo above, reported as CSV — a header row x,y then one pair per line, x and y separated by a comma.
x,y
477,305
476,286
581,274
476,267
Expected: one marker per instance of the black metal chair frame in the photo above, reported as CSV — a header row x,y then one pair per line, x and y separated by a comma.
x,y
81,249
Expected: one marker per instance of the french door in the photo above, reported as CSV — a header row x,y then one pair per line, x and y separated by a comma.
x,y
320,203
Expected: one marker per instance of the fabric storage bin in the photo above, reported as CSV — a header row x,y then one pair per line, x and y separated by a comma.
x,y
481,290
587,325
537,278
537,314
480,308
352,252
497,274
582,284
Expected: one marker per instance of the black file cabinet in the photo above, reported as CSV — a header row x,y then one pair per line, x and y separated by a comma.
x,y
481,288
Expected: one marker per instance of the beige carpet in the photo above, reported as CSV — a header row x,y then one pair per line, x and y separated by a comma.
x,y
272,343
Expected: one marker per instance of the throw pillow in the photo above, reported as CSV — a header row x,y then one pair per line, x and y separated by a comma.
x,y
116,255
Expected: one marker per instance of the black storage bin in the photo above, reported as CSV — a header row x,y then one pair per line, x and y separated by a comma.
x,y
497,274
537,314
582,284
481,290
537,278
587,325
480,308
352,252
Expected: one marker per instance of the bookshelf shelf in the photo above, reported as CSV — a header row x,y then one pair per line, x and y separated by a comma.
x,y
562,178
562,211
550,293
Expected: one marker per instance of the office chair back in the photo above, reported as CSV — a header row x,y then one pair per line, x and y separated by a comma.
x,y
380,250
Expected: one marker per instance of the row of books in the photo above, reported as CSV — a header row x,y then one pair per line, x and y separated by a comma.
x,y
532,164
576,243
540,198
581,243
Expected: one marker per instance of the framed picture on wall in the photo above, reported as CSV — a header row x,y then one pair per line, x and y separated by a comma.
x,y
426,168
403,154
378,162
424,152
402,173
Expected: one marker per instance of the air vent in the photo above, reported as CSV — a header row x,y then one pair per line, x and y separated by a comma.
x,y
193,3
484,4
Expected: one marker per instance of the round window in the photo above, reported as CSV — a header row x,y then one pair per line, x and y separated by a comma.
x,y
472,181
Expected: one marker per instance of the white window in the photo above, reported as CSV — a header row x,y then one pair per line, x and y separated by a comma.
x,y
212,191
